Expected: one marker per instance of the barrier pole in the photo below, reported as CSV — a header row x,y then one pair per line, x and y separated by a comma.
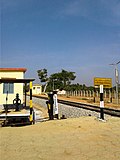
x,y
94,94
101,103
111,95
25,94
31,107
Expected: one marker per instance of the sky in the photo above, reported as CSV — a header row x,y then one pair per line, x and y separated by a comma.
x,y
81,36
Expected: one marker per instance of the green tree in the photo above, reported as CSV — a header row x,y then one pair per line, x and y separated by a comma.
x,y
42,74
67,77
61,80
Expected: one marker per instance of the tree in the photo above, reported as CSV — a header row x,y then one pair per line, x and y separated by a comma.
x,y
61,79
67,77
42,74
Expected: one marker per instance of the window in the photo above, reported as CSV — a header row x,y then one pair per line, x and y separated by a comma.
x,y
8,87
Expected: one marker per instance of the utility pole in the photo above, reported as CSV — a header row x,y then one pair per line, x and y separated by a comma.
x,y
116,80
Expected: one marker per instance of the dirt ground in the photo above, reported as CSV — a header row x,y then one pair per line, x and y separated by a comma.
x,y
84,138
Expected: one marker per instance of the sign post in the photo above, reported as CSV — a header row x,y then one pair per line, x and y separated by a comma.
x,y
101,103
106,82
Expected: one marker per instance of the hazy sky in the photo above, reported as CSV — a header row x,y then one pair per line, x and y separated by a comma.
x,y
82,36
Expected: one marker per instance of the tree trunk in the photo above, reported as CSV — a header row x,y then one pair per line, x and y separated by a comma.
x,y
45,87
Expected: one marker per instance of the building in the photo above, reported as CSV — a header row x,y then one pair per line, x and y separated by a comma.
x,y
37,89
8,91
63,92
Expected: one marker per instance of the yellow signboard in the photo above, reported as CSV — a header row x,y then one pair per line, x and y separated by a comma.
x,y
106,82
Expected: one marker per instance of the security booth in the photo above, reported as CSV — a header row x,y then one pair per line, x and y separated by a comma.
x,y
11,88
17,112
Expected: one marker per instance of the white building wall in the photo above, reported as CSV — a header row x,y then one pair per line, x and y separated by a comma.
x,y
36,89
18,87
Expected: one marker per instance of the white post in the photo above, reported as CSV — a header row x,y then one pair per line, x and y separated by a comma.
x,y
101,103
55,106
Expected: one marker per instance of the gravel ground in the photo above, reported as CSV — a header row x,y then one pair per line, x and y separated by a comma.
x,y
68,111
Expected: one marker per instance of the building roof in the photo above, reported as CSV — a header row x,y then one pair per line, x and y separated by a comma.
x,y
37,85
13,69
13,80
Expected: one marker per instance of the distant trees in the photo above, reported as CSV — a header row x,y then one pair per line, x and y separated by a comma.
x,y
78,87
60,80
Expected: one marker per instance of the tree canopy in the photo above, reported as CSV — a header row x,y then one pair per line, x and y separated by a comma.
x,y
61,80
42,74
58,80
